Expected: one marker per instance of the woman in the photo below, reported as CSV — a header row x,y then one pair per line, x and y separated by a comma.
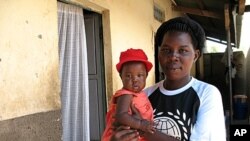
x,y
185,108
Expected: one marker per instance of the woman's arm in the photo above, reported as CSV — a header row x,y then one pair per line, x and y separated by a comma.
x,y
210,124
158,136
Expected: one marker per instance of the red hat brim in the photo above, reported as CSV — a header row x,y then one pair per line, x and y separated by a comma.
x,y
147,63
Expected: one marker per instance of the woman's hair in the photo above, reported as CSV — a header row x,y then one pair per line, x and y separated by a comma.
x,y
182,24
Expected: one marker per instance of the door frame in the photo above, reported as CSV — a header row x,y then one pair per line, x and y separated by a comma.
x,y
101,88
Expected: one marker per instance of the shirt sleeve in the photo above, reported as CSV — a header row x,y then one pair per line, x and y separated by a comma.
x,y
148,91
210,124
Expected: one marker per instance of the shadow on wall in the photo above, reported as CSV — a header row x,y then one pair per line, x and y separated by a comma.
x,y
37,127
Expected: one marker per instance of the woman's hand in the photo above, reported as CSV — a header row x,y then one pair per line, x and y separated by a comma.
x,y
124,133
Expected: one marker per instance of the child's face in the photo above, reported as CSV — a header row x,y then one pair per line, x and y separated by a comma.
x,y
133,75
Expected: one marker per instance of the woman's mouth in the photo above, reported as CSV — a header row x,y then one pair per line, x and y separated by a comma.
x,y
173,67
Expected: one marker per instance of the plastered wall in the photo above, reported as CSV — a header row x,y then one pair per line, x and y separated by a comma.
x,y
29,59
131,25
29,83
29,80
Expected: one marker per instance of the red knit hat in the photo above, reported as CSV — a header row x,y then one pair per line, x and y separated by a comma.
x,y
134,55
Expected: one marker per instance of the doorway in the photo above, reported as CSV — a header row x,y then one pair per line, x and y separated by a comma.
x,y
97,96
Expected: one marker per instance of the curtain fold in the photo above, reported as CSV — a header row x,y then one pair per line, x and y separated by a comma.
x,y
73,73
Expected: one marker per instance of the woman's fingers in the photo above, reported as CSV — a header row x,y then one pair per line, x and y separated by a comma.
x,y
120,128
124,133
129,135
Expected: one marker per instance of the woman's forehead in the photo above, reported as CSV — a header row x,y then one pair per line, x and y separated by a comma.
x,y
178,37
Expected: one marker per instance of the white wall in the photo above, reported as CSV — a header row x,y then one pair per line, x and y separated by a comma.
x,y
131,24
29,80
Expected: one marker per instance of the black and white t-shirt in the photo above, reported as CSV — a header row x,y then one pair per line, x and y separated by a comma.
x,y
193,112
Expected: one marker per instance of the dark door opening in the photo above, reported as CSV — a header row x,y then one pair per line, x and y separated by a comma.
x,y
97,96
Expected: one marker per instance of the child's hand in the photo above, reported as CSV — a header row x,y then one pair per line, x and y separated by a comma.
x,y
147,126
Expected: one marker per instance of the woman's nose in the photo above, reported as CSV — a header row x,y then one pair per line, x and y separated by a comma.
x,y
174,55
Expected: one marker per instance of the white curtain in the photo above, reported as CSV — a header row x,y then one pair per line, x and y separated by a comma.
x,y
73,73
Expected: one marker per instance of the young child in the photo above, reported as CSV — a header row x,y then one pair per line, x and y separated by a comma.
x,y
133,69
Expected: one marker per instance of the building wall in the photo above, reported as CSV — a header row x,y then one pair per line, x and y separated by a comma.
x,y
130,24
29,83
29,57
35,127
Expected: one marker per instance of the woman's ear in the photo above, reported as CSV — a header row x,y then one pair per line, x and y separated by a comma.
x,y
196,55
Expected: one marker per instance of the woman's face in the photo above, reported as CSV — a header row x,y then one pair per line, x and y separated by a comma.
x,y
134,76
177,55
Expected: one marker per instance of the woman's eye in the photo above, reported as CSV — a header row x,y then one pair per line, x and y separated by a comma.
x,y
183,51
165,50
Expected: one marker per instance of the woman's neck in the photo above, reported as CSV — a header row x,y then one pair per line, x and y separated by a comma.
x,y
176,84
